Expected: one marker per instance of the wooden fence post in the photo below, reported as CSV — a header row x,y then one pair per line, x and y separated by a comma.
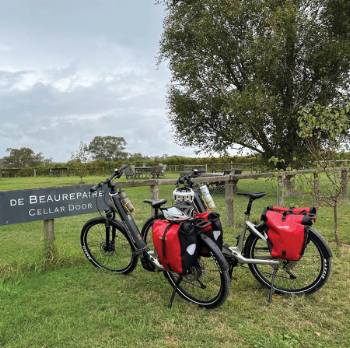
x,y
280,189
344,183
289,185
49,239
316,189
229,188
154,194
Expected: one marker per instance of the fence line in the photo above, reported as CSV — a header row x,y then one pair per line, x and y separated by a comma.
x,y
251,167
230,183
224,178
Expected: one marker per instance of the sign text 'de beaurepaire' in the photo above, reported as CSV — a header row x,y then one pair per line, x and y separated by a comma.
x,y
42,204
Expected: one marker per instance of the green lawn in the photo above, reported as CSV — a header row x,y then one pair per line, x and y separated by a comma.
x,y
70,304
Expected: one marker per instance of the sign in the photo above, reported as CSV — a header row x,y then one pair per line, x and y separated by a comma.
x,y
50,203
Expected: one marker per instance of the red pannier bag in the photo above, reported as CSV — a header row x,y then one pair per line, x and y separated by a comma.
x,y
213,229
287,234
175,245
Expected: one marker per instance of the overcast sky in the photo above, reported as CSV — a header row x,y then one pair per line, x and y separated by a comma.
x,y
71,70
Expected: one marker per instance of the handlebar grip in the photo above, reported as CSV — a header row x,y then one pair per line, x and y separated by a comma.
x,y
122,168
119,172
95,188
116,174
180,181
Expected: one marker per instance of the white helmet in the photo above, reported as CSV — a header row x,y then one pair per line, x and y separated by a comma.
x,y
174,214
183,194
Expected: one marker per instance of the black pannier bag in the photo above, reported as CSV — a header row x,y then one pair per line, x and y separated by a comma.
x,y
212,228
175,245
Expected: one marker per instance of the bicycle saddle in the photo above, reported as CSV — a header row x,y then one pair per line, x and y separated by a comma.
x,y
252,195
155,203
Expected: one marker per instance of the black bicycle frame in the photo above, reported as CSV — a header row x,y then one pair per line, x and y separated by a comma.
x,y
129,221
198,202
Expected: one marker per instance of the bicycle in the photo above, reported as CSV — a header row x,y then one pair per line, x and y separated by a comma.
x,y
115,245
305,276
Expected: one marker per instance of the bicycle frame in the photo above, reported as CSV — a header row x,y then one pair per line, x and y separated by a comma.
x,y
119,224
133,231
248,226
129,222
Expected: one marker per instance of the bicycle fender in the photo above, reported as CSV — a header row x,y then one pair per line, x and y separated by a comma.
x,y
212,245
327,250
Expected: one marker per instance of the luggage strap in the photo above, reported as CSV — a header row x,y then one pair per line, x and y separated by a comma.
x,y
164,238
290,212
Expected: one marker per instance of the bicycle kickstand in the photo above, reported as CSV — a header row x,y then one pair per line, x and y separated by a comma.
x,y
272,288
174,292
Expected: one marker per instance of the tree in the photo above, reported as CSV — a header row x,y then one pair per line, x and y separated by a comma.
x,y
241,70
79,161
23,157
107,148
325,132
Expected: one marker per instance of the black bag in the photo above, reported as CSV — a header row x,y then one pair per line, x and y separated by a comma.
x,y
213,229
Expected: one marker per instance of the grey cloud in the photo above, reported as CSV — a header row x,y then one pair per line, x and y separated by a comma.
x,y
70,70
54,120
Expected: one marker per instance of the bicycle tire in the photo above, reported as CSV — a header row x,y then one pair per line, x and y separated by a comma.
x,y
316,257
95,248
146,231
220,270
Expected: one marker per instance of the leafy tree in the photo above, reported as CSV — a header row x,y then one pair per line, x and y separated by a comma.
x,y
137,157
79,161
23,157
325,132
241,70
107,148
82,155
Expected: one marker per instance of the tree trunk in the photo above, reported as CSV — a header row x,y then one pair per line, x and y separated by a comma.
x,y
344,183
316,190
335,217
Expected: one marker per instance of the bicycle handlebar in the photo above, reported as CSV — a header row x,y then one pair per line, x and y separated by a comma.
x,y
116,175
186,179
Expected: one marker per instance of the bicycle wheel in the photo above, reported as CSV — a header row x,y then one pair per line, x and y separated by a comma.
x,y
208,283
305,276
108,247
146,232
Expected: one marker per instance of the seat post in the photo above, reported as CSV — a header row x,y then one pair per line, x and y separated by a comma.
x,y
249,207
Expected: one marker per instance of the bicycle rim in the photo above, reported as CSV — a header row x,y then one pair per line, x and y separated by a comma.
x,y
114,254
299,277
207,285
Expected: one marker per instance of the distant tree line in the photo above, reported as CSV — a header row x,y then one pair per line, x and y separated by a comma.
x,y
105,152
23,157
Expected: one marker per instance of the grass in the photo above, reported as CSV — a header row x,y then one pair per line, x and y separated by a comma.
x,y
71,304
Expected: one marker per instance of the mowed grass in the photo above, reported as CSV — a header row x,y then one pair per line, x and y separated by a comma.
x,y
71,304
